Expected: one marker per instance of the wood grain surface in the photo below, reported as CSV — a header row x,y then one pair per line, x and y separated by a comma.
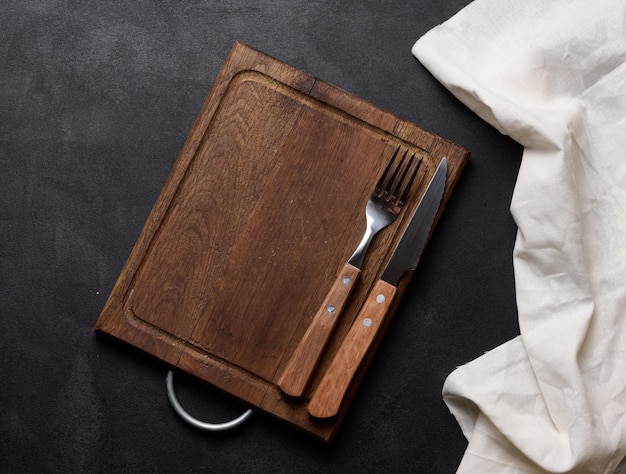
x,y
260,212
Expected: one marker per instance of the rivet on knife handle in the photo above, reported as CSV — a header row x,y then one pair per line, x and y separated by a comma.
x,y
382,208
330,392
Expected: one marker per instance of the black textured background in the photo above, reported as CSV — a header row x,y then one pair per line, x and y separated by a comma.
x,y
96,100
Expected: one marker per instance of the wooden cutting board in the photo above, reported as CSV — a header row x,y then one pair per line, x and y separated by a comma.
x,y
264,205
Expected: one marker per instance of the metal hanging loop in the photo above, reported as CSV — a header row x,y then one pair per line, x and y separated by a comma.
x,y
171,395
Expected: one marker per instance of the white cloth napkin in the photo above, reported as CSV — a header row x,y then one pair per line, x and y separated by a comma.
x,y
552,75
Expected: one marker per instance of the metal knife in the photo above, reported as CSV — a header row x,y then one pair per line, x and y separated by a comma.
x,y
330,392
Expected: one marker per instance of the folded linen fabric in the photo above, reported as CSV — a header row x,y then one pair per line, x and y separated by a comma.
x,y
552,75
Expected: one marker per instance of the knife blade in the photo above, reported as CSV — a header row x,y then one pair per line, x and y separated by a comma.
x,y
330,392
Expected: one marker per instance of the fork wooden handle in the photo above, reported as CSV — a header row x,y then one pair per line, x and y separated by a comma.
x,y
331,391
298,371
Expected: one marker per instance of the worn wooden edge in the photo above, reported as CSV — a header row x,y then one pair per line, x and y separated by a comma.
x,y
260,393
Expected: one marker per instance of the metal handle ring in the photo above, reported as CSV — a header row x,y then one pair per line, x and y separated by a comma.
x,y
194,421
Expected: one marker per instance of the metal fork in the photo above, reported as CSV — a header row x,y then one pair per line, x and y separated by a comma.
x,y
385,203
383,206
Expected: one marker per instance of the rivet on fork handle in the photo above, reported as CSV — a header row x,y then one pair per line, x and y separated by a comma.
x,y
300,367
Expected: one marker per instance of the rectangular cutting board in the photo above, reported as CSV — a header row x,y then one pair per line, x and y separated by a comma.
x,y
264,205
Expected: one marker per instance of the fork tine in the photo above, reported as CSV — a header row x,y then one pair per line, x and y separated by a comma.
x,y
379,184
411,180
387,193
396,192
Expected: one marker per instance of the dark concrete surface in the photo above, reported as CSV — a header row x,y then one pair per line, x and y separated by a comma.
x,y
96,100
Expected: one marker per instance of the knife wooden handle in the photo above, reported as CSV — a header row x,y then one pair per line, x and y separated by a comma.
x,y
330,393
303,361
